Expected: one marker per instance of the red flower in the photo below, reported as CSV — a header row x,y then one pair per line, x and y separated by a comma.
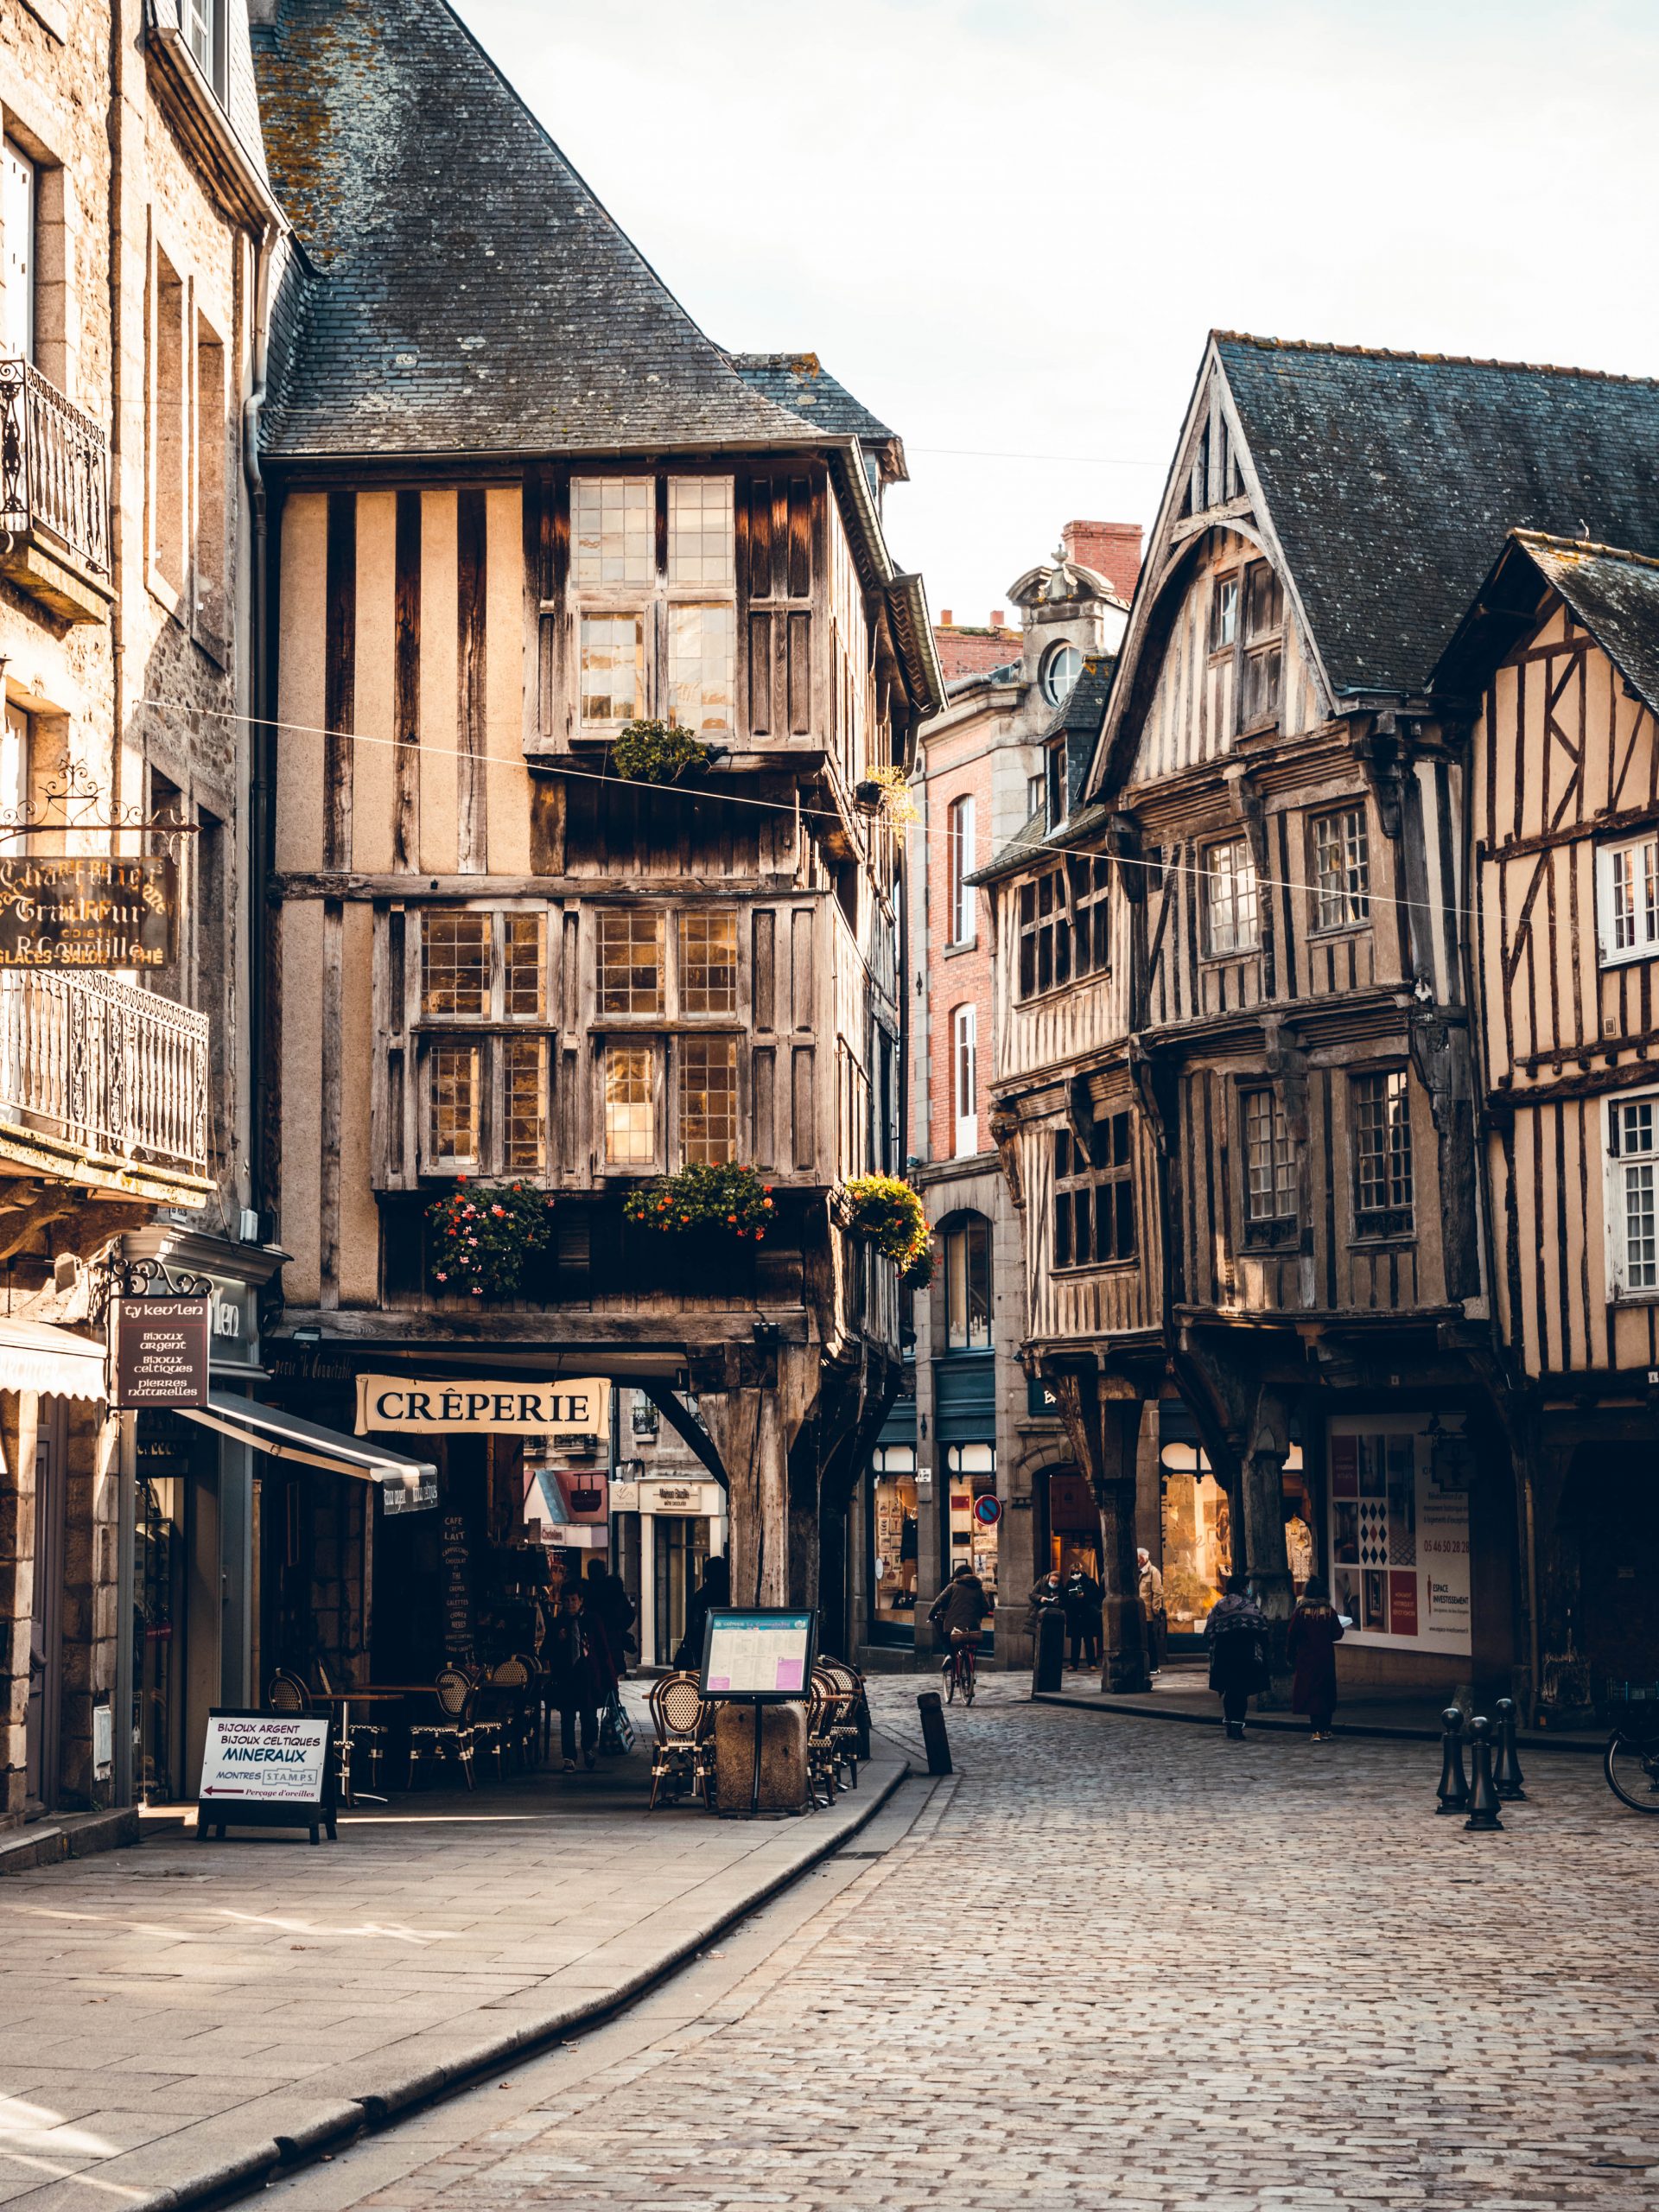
x,y
760,1236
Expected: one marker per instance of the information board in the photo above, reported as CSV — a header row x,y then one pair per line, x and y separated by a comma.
x,y
765,1655
265,1769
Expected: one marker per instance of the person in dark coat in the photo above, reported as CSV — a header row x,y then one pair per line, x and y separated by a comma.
x,y
712,1595
1081,1595
608,1602
1236,1634
579,1664
1315,1632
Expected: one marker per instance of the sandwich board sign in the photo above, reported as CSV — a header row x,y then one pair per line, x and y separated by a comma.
x,y
265,1769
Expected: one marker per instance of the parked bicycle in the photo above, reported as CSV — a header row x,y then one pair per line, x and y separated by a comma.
x,y
1631,1759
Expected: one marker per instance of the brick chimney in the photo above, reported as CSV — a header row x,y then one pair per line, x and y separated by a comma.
x,y
1112,549
945,617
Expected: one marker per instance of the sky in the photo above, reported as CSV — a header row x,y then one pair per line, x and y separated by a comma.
x,y
1008,228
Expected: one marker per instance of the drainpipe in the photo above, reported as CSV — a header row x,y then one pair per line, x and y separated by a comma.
x,y
259,704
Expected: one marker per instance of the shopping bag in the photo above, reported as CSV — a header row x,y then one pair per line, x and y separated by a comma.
x,y
615,1729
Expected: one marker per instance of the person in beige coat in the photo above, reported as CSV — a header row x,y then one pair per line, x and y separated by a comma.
x,y
1153,1611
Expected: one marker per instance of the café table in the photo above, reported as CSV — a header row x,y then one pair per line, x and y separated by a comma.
x,y
368,1694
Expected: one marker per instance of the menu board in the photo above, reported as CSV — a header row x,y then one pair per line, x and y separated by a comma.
x,y
766,1655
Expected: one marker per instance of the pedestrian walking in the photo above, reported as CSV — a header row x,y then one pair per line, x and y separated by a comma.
x,y
581,1679
1081,1595
712,1595
1236,1634
1153,1611
1315,1632
607,1601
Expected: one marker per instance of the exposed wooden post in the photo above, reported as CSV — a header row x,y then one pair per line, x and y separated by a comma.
x,y
1267,1560
754,1414
18,1413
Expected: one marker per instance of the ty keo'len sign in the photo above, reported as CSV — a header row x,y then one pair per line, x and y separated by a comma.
x,y
161,1353
409,1405
94,910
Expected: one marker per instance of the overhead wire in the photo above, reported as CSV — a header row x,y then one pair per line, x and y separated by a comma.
x,y
564,767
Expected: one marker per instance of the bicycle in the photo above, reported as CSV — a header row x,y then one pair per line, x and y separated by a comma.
x,y
961,1667
1630,1761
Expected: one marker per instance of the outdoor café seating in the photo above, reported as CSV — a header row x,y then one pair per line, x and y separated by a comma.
x,y
680,1720
451,1735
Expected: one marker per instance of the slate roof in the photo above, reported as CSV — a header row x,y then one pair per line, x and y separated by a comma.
x,y
1389,478
1033,843
1613,593
801,383
471,295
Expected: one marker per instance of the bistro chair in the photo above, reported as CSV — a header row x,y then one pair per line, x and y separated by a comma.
x,y
353,1736
823,1752
851,1688
490,1729
450,1736
513,1690
680,1719
287,1694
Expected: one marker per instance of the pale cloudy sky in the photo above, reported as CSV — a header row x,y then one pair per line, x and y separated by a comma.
x,y
1008,228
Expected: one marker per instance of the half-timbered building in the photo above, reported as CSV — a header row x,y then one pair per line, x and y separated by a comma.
x,y
1558,664
1246,1149
524,503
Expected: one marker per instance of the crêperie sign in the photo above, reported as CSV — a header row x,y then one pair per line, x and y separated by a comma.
x,y
393,1405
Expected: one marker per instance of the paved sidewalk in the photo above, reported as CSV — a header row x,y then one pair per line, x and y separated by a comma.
x,y
1182,1692
176,2017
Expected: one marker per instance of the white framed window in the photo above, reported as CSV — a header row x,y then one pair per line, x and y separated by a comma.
x,y
700,535
1384,1194
1229,900
1269,1159
1060,672
1633,1195
19,224
1342,869
1627,898
613,669
964,1080
959,865
201,20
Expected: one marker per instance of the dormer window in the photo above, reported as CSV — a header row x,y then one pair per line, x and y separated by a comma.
x,y
1061,670
1247,623
1054,792
201,21
653,566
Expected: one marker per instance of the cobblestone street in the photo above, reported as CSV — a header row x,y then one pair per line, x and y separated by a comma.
x,y
1117,1963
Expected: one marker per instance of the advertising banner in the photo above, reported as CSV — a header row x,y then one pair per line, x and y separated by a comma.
x,y
1399,1525
274,1758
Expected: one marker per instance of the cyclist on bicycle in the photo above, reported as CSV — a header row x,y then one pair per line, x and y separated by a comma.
x,y
957,1611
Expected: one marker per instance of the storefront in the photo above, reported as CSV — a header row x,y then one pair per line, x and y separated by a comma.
x,y
1073,1524
664,1530
971,1482
1398,1537
1196,1523
895,1533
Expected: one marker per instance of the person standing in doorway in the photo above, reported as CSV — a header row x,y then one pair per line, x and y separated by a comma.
x,y
1081,1595
609,1603
1236,1634
579,1670
1153,1611
1315,1632
712,1595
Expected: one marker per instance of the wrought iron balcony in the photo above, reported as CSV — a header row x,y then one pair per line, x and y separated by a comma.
x,y
55,496
116,1073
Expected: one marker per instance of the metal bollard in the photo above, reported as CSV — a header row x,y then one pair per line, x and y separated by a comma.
x,y
931,1708
1507,1778
1048,1672
1482,1798
1454,1792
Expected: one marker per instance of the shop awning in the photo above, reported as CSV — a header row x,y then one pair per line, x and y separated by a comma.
x,y
406,1484
34,1355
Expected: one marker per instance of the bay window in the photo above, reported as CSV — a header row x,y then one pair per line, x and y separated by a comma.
x,y
653,573
1094,1195
1627,898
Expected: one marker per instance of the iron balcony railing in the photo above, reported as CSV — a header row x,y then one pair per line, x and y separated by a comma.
x,y
105,1066
54,468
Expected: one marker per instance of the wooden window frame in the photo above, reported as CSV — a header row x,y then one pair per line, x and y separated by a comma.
x,y
957,1240
1248,643
1283,1225
1243,946
1621,1155
1394,1222
1642,851
1106,1168
1319,924
1077,926
493,1034
961,830
651,600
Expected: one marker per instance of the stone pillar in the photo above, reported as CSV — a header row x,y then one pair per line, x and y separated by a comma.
x,y
18,1410
1123,1628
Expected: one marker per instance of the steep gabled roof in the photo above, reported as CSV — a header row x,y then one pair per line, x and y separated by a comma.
x,y
1389,477
801,383
1613,593
471,295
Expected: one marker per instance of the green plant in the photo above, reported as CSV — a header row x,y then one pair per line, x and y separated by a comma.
x,y
888,1214
659,752
482,1238
731,1199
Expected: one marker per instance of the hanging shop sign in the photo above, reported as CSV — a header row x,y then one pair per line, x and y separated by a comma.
x,y
161,1353
564,1411
265,1769
88,910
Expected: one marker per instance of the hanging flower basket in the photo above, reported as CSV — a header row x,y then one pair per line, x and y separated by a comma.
x,y
481,1238
731,1201
659,753
887,1213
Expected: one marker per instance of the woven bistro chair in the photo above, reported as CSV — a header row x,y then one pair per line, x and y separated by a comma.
x,y
850,1688
450,1736
822,1710
508,1700
287,1694
680,1719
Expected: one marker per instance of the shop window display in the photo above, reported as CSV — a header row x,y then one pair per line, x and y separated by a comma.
x,y
1073,1524
970,1475
1400,1530
894,1509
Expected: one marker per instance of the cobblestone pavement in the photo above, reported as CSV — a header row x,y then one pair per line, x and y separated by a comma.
x,y
1114,1963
